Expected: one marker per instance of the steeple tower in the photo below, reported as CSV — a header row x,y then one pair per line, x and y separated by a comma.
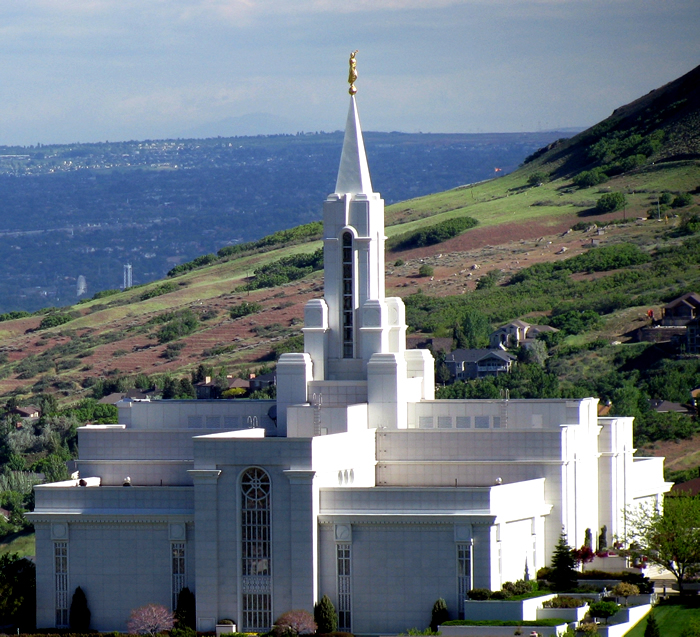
x,y
354,337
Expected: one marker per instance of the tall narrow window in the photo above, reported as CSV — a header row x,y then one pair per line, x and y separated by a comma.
x,y
60,551
178,570
344,588
348,304
256,580
464,579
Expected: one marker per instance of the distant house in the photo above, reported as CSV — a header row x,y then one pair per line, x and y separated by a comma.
x,y
517,333
679,324
681,311
467,364
435,345
665,406
262,381
135,394
28,412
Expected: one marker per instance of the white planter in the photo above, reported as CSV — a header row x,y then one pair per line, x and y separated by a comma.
x,y
524,609
568,614
499,631
222,629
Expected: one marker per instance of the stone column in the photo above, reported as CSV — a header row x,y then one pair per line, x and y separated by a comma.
x,y
206,546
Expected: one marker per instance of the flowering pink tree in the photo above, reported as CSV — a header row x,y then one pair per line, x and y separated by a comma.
x,y
583,555
150,620
295,622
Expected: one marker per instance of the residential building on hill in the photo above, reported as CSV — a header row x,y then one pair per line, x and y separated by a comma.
x,y
355,482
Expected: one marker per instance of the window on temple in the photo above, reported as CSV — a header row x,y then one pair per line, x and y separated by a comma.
x,y
256,554
347,299
344,587
60,551
178,571
464,582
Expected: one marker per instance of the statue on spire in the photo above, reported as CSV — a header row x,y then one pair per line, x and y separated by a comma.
x,y
353,73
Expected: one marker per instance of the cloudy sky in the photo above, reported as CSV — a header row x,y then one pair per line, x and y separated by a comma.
x,y
96,70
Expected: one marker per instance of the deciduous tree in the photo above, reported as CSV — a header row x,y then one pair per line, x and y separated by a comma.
x,y
150,620
670,539
295,622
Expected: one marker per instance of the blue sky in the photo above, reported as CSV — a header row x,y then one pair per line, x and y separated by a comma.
x,y
95,70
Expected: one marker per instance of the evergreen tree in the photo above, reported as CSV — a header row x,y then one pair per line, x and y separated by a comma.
x,y
79,614
563,576
439,614
325,616
185,611
652,628
170,388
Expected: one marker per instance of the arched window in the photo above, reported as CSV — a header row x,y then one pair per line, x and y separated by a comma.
x,y
348,304
256,555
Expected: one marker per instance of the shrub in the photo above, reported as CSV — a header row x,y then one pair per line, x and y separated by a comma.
x,y
682,200
439,614
181,324
564,601
537,178
244,309
54,320
237,392
185,611
489,280
431,235
611,201
589,178
502,594
625,589
79,614
426,270
158,290
325,615
479,594
399,262
285,270
604,610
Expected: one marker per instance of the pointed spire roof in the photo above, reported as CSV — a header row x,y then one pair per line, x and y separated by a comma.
x,y
353,174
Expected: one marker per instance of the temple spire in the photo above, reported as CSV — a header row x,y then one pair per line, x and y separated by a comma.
x,y
353,174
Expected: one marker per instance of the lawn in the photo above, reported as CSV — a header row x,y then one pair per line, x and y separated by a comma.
x,y
22,543
672,616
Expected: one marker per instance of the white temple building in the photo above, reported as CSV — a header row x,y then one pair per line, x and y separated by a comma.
x,y
355,483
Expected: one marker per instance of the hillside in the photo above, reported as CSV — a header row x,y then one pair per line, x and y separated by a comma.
x,y
541,251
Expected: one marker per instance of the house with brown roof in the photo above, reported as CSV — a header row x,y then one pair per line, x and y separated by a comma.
x,y
681,311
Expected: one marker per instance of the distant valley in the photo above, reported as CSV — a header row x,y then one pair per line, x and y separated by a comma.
x,y
89,209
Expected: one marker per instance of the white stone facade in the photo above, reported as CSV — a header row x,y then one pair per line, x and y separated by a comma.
x,y
360,486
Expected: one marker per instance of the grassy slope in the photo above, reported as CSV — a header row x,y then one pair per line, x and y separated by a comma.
x,y
672,617
20,543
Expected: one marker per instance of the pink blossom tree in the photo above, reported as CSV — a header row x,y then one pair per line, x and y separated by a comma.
x,y
150,620
295,622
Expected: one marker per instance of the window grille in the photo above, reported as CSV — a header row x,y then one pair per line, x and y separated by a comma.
x,y
348,302
464,580
256,573
60,551
344,588
178,571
